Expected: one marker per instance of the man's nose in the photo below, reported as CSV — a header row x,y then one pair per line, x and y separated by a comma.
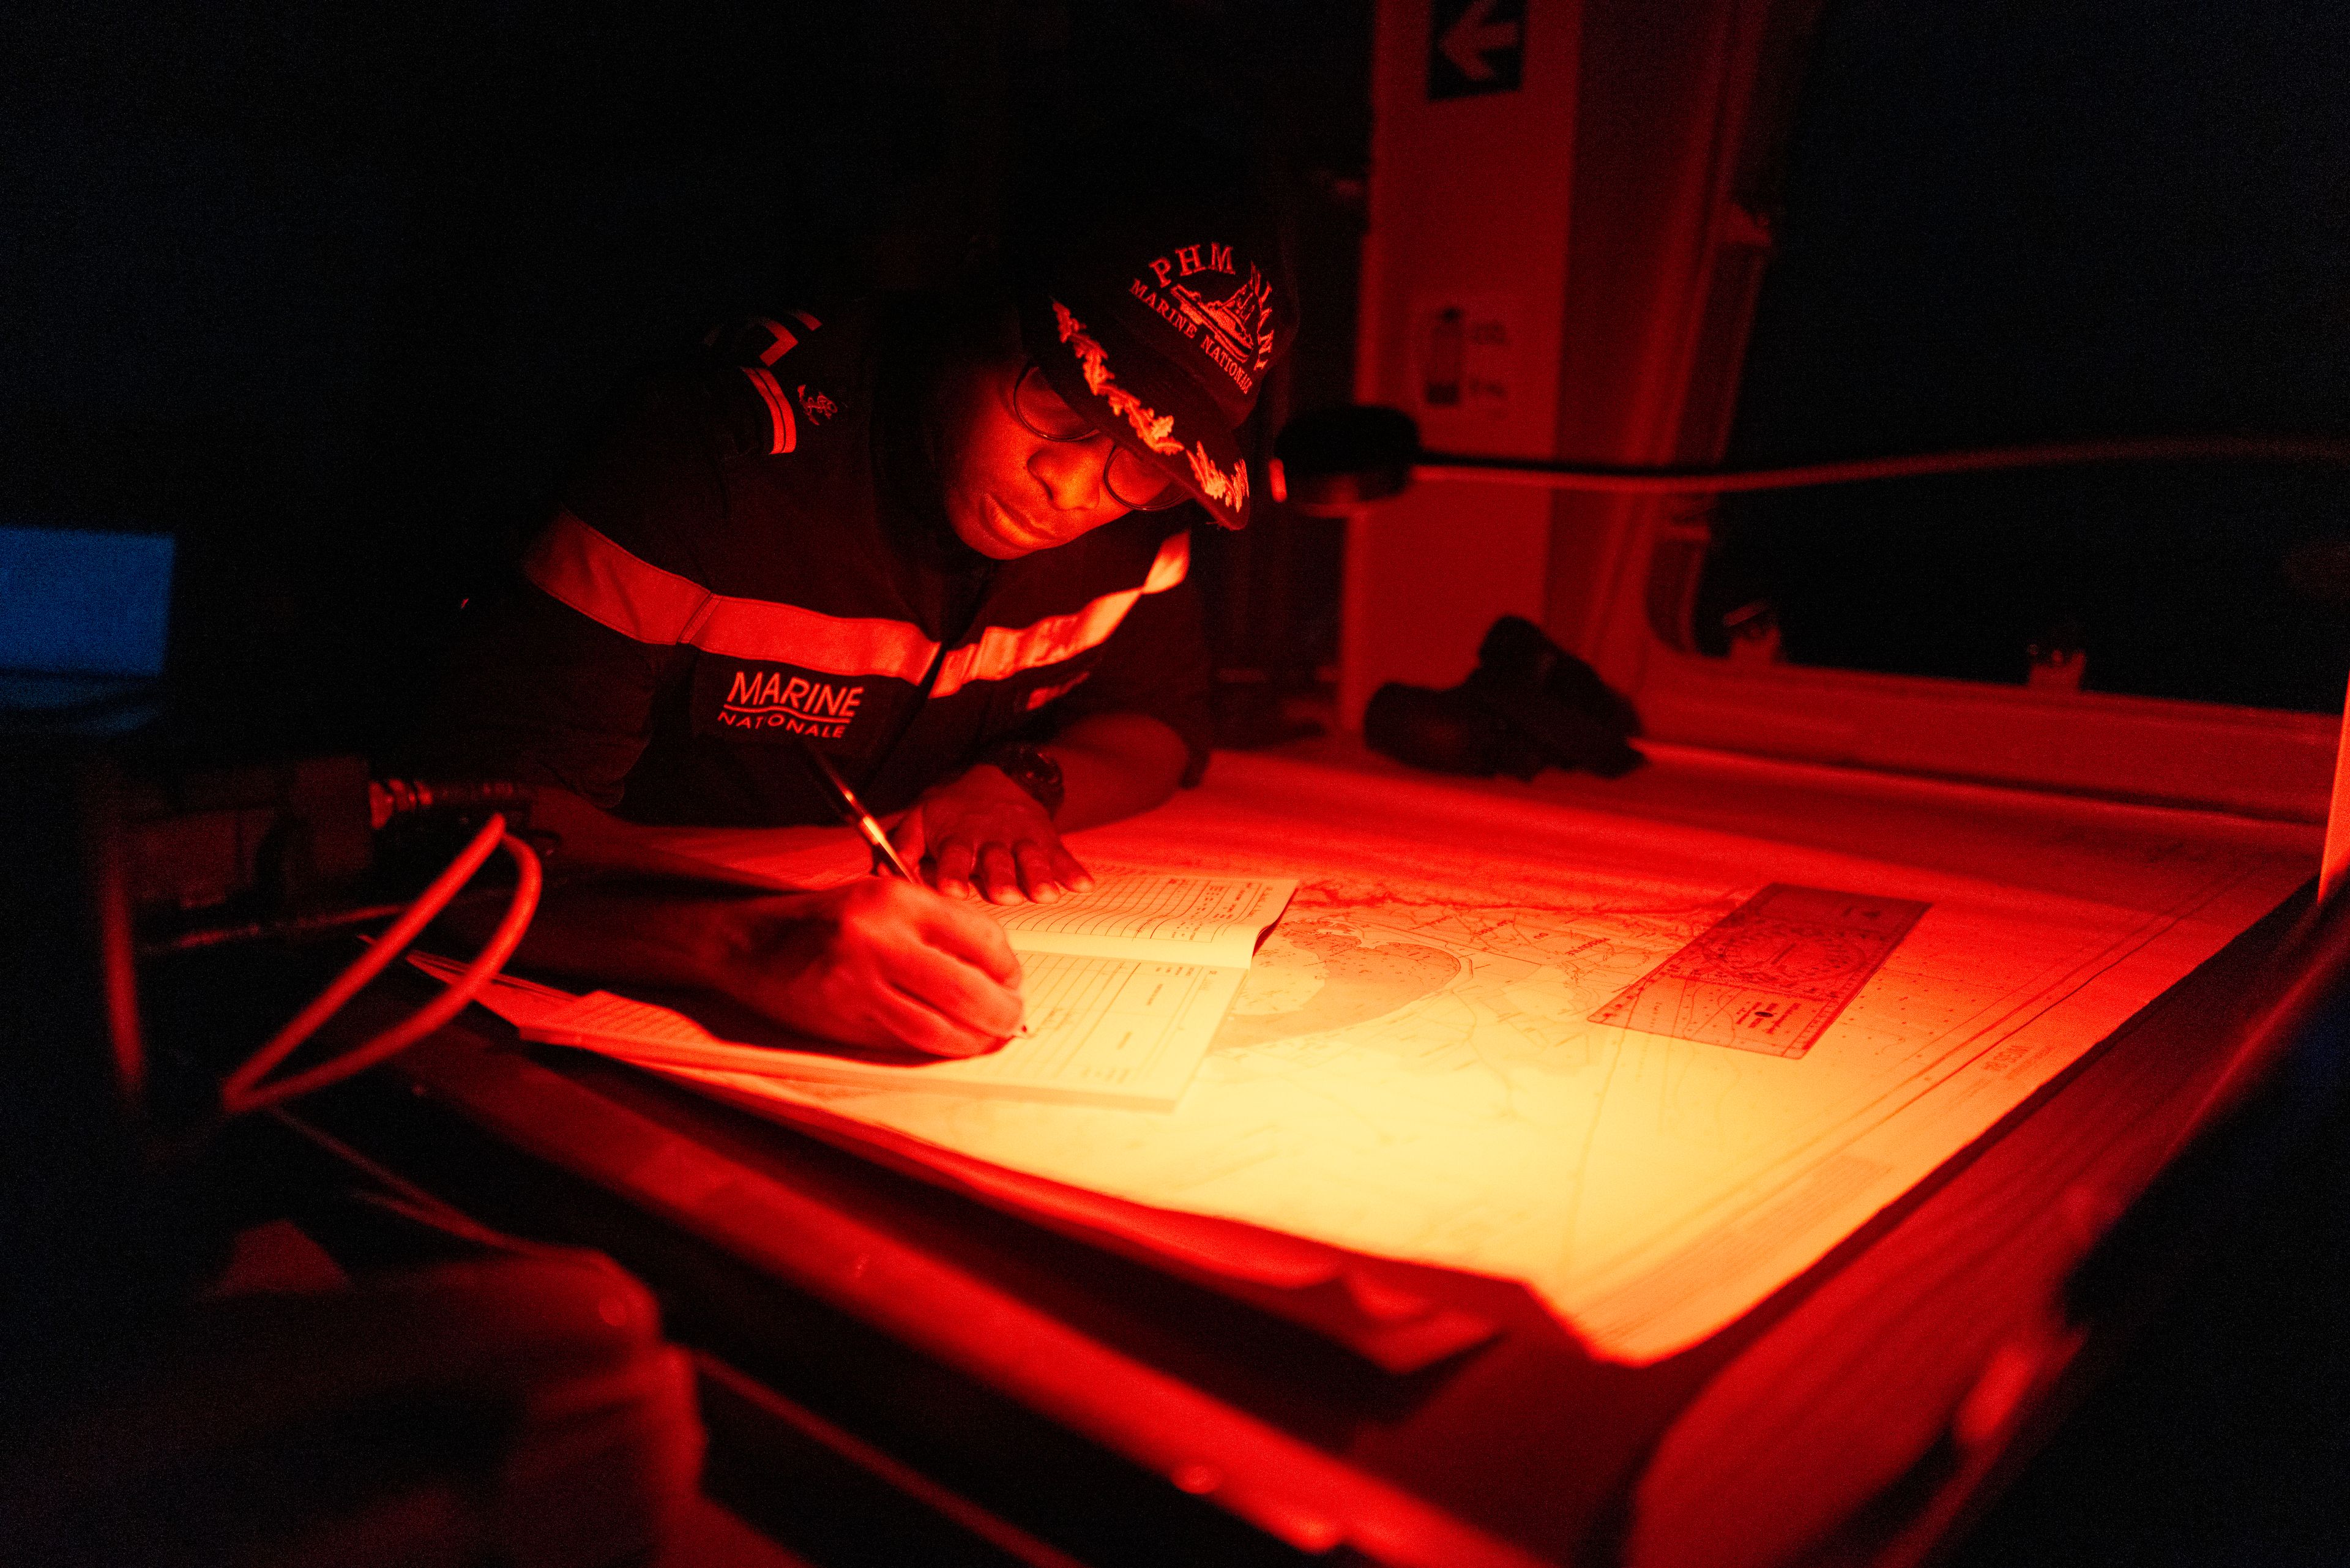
x,y
1072,472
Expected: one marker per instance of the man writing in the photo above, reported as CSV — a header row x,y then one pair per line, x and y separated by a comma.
x,y
939,540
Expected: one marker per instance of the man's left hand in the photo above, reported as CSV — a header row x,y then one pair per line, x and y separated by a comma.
x,y
982,832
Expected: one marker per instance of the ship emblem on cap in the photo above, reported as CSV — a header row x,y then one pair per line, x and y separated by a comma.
x,y
1233,328
1239,325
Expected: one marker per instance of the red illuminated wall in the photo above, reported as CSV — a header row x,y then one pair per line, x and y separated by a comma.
x,y
1594,235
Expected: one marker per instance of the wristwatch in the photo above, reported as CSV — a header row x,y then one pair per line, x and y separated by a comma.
x,y
1029,767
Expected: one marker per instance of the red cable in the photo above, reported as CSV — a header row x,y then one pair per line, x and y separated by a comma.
x,y
399,1037
238,1092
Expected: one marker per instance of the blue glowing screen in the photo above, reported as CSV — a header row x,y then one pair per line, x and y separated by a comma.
x,y
76,602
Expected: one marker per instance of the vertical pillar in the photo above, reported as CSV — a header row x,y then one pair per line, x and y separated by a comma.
x,y
1463,288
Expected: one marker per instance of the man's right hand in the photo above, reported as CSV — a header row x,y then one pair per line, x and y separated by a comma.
x,y
876,963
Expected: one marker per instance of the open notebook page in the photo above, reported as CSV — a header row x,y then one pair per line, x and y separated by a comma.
x,y
1125,985
1099,1030
1172,918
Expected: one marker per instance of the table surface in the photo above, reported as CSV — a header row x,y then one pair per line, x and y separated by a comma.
x,y
1819,1424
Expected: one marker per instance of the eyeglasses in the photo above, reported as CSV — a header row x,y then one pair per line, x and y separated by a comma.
x,y
1132,483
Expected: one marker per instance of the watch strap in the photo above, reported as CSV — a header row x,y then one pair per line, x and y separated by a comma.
x,y
1033,769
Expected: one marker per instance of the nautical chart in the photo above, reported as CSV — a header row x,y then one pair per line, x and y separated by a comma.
x,y
1412,1067
1772,975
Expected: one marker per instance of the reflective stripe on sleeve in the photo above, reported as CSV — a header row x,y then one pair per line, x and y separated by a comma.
x,y
779,409
576,566
1171,566
1002,651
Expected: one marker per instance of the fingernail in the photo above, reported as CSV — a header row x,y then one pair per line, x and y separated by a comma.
x,y
1045,893
1083,884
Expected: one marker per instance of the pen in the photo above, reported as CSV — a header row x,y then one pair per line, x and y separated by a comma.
x,y
885,853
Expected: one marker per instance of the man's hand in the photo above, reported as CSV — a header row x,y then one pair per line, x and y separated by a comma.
x,y
981,832
876,963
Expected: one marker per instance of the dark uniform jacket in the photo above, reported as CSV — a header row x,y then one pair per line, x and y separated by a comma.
x,y
756,555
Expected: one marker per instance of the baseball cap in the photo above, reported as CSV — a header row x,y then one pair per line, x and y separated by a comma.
x,y
1159,329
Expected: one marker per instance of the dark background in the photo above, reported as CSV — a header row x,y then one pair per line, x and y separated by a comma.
x,y
2022,223
326,291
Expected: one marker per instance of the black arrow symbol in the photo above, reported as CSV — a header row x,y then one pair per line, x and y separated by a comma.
x,y
1474,34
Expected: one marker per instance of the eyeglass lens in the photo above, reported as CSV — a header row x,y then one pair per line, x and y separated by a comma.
x,y
1131,482
1137,484
1043,410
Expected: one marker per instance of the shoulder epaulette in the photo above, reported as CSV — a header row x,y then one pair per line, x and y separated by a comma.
x,y
751,347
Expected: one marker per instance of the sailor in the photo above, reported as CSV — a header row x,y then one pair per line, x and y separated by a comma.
x,y
944,540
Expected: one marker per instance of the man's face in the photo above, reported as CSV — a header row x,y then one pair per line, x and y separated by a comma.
x,y
1010,492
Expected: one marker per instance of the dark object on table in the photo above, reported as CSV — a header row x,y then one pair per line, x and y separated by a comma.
x,y
1528,705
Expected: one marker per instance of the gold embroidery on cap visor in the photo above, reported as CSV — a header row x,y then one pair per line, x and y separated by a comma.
x,y
1157,430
